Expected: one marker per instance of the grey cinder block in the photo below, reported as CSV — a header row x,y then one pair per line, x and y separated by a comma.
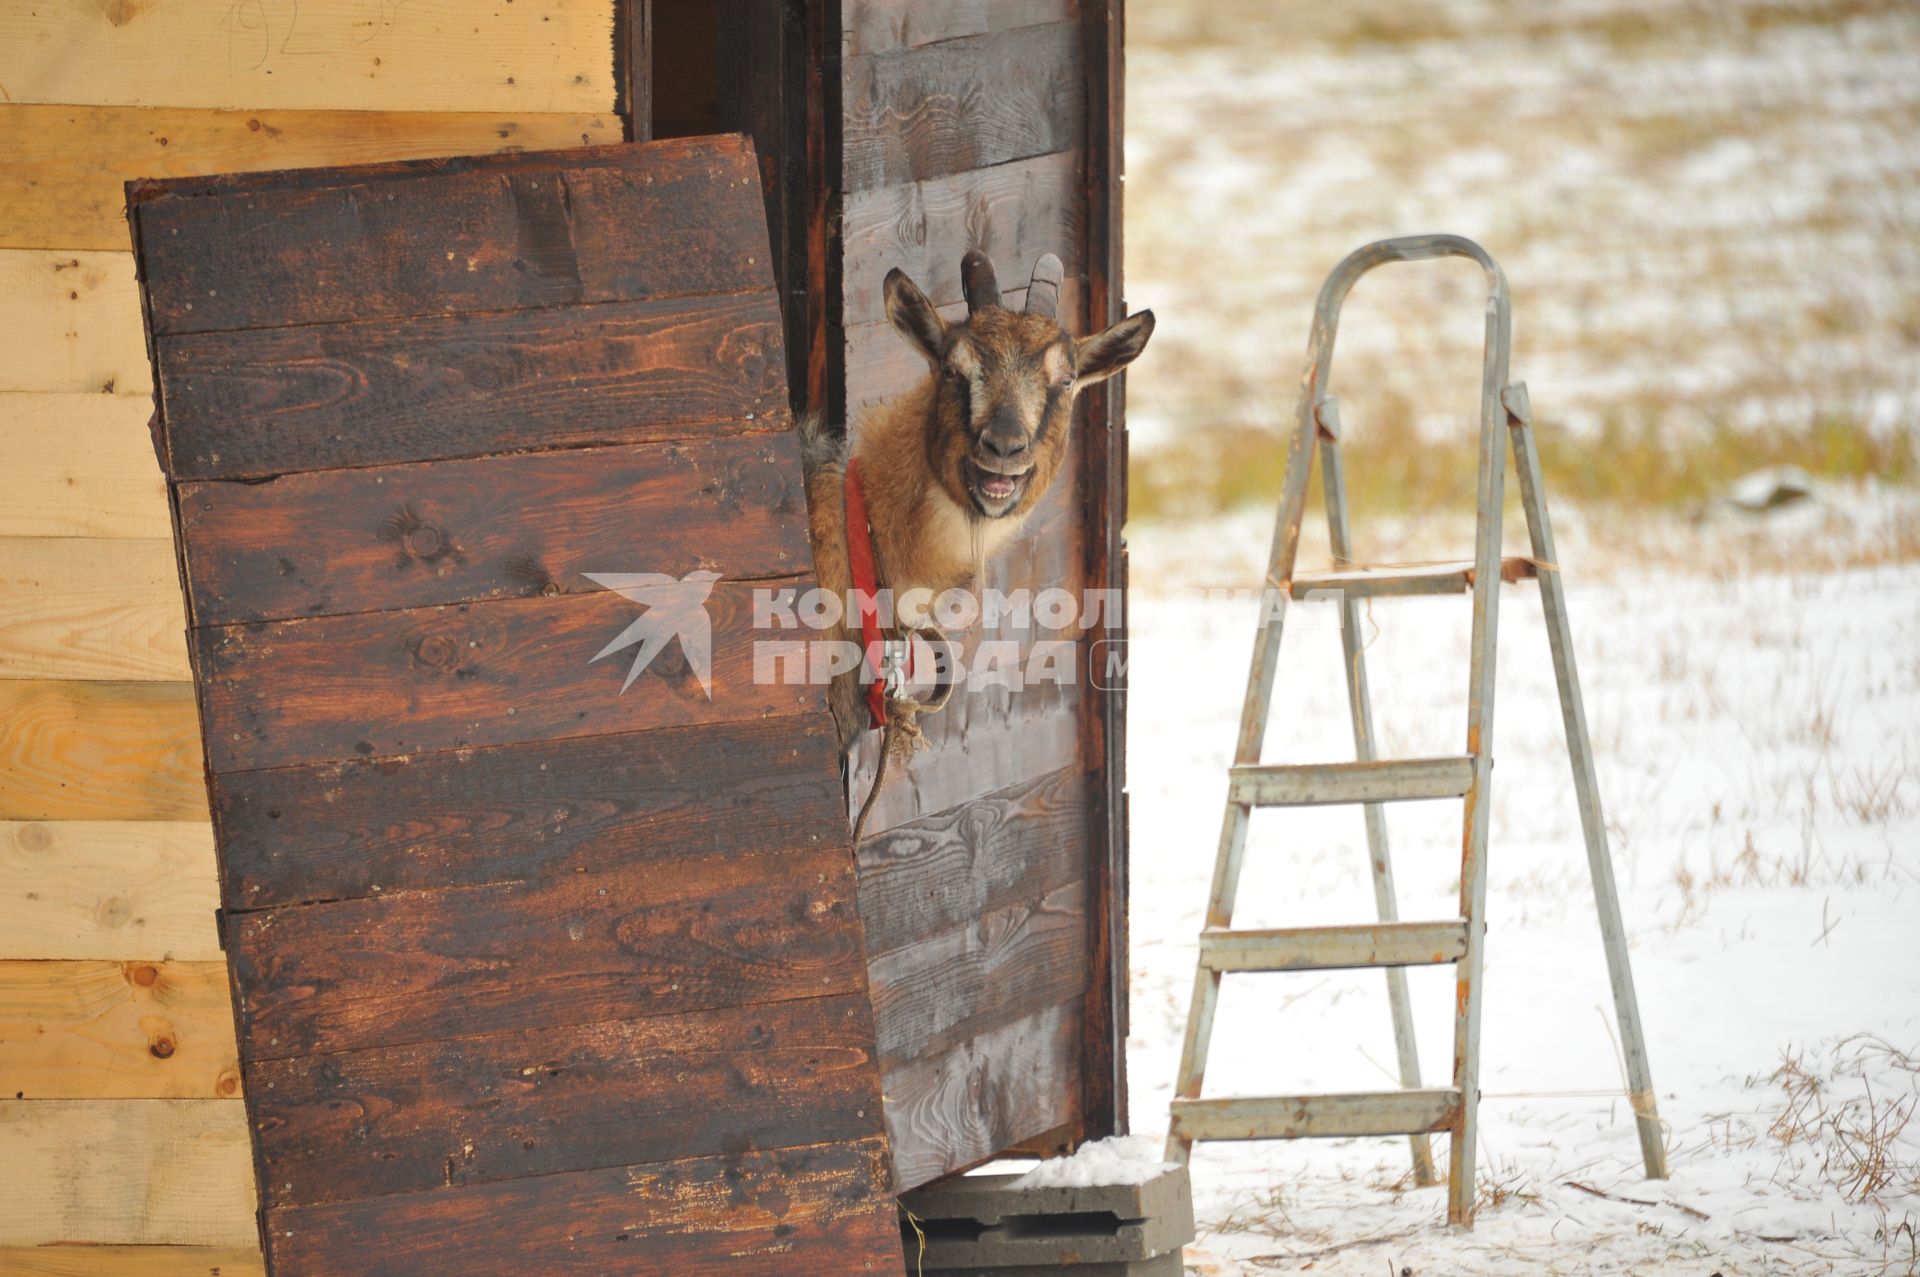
x,y
1168,1265
982,1224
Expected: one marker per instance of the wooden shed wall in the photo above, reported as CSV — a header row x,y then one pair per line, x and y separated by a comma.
x,y
119,1094
993,887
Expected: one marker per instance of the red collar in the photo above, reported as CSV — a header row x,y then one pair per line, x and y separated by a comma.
x,y
866,588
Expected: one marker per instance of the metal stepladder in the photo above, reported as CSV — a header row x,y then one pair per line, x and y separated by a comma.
x,y
1392,944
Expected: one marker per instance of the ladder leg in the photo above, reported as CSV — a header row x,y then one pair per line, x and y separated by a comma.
x,y
1553,600
1479,797
1253,730
1360,706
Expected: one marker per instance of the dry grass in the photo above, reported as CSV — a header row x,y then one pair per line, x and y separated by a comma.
x,y
1856,1139
1706,212
1635,461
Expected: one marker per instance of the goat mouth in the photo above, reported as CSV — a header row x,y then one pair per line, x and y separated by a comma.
x,y
994,493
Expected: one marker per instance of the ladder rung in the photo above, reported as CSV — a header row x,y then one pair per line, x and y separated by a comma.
x,y
1389,581
1376,944
1293,1117
1307,785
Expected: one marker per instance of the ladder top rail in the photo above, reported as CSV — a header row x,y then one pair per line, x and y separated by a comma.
x,y
1402,248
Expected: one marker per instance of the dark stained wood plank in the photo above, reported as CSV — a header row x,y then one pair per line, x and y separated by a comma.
x,y
876,26
951,1110
437,237
953,986
384,683
627,943
962,104
343,831
1012,212
633,67
1104,1035
388,537
268,401
537,1102
921,879
822,1209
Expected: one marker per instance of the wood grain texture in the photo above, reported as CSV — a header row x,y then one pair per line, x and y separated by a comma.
x,y
877,26
941,872
116,1030
963,104
391,537
651,951
424,237
1103,1057
952,1110
64,169
127,1172
80,466
99,751
819,1209
943,990
1012,212
469,675
631,942
523,813
70,321
337,55
107,889
132,1261
538,1102
74,607
269,401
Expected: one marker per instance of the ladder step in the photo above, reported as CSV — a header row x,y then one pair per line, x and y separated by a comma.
x,y
1375,944
1391,581
1312,784
1293,1117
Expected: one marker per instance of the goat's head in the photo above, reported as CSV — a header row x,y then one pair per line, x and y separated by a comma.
x,y
1004,383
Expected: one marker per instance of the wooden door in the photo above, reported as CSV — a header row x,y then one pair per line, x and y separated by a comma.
x,y
531,974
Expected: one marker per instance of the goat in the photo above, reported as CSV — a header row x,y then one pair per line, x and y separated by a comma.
x,y
952,468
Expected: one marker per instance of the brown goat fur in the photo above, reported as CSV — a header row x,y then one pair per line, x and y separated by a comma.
x,y
953,467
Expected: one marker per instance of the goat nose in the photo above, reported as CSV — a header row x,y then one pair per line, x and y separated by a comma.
x,y
1005,447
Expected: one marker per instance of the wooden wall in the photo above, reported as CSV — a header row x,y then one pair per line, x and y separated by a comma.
x,y
120,1116
993,888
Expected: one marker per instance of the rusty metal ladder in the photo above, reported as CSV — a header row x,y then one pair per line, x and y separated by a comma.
x,y
1391,944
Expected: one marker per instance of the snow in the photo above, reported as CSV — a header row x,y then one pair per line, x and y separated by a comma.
x,y
1757,731
1118,1159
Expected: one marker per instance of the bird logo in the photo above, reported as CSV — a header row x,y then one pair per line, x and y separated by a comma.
x,y
675,609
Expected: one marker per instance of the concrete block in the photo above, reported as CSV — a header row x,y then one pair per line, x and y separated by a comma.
x,y
981,1223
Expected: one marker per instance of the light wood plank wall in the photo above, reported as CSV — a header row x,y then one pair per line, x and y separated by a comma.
x,y
120,1115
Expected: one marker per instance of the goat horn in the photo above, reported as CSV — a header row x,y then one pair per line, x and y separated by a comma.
x,y
978,279
1043,294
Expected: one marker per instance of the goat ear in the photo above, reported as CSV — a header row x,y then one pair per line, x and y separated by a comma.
x,y
1100,356
911,312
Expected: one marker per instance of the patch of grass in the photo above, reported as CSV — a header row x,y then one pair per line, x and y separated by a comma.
x,y
1857,1139
1635,461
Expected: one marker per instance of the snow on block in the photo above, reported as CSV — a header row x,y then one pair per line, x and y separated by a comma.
x,y
1112,1208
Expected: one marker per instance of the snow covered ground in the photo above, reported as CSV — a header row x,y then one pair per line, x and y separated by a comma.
x,y
1758,736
